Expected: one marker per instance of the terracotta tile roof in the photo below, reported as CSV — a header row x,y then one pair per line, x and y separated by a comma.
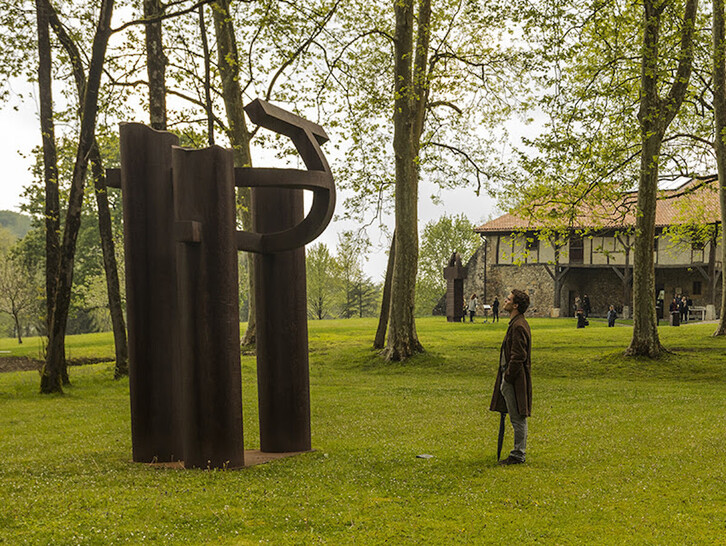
x,y
696,200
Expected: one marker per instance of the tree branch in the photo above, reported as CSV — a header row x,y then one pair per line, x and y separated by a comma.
x,y
302,48
697,138
149,20
434,104
468,158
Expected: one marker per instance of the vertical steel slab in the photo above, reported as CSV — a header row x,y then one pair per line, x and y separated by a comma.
x,y
208,291
282,330
150,292
455,274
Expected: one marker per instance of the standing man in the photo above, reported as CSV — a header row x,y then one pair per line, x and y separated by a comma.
x,y
495,309
472,307
513,387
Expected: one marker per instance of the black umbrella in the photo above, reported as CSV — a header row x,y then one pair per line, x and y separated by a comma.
x,y
500,441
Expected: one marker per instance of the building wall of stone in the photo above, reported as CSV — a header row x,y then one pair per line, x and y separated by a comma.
x,y
500,279
490,275
680,281
476,272
601,285
532,278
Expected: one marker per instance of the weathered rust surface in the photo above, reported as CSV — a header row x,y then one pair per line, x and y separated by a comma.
x,y
307,138
280,232
455,274
208,294
151,301
181,260
282,328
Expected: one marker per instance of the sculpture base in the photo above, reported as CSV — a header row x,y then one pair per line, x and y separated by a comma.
x,y
253,457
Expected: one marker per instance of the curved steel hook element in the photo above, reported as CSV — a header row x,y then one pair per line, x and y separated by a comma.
x,y
307,138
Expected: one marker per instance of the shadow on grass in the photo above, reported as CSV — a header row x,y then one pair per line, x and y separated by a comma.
x,y
682,364
426,360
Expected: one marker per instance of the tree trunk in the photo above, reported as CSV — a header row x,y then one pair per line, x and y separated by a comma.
x,y
207,79
104,217
719,107
402,338
50,174
61,303
110,266
711,273
645,322
155,65
655,115
557,278
239,136
627,276
17,327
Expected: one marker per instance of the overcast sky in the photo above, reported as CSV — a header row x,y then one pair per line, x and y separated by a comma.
x,y
20,133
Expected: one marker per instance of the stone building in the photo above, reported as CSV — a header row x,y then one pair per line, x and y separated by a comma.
x,y
593,257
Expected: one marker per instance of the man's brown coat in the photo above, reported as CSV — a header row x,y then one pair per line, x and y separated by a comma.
x,y
517,350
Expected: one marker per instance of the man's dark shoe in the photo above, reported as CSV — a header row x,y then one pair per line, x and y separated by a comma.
x,y
510,460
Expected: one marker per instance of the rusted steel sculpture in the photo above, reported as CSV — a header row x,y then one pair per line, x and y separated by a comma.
x,y
208,319
279,268
182,299
455,274
151,292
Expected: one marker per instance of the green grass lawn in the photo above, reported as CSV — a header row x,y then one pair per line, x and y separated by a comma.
x,y
621,451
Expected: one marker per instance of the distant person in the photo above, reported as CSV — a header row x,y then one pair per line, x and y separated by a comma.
x,y
675,311
495,309
586,305
612,315
472,307
578,303
581,320
683,309
513,386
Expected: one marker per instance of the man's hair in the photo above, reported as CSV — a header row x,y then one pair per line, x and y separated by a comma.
x,y
521,299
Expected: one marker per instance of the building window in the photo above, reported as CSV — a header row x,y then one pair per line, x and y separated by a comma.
x,y
531,243
696,288
576,250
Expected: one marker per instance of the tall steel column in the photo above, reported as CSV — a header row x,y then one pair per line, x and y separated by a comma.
x,y
283,383
208,317
151,301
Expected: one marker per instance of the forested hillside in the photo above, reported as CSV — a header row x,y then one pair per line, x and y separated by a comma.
x,y
18,224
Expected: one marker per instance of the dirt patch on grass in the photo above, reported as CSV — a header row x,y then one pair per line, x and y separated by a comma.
x,y
25,363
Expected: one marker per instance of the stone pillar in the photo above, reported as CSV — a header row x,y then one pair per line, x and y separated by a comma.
x,y
710,312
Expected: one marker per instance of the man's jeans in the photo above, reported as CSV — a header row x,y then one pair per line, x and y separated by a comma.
x,y
519,422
